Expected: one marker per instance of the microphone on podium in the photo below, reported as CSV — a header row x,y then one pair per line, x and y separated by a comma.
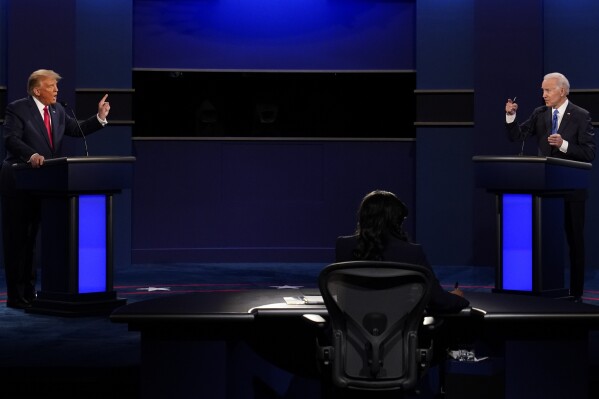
x,y
522,148
66,106
534,117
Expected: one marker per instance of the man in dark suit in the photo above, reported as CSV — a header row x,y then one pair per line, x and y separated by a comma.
x,y
34,128
563,130
380,236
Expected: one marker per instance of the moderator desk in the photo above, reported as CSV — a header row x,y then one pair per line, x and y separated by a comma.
x,y
218,344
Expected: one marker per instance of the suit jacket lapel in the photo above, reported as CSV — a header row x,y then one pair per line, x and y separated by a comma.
x,y
38,118
40,121
565,119
54,121
41,127
547,118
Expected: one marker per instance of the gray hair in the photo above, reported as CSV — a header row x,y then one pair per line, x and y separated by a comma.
x,y
562,81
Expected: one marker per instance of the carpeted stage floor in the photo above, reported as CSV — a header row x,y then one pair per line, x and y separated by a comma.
x,y
90,357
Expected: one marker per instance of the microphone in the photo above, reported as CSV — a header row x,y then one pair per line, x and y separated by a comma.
x,y
522,148
534,116
66,106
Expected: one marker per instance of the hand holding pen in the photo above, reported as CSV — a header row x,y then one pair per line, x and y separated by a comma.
x,y
511,107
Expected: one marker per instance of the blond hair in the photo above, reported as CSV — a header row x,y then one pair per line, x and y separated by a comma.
x,y
35,79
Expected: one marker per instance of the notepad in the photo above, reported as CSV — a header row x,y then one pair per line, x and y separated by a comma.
x,y
294,300
304,300
313,300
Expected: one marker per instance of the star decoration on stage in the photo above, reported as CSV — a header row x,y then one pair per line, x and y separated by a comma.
x,y
281,287
152,289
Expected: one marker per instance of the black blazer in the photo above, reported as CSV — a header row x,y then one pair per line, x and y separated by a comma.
x,y
576,128
25,134
402,251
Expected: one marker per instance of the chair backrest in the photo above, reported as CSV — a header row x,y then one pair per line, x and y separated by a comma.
x,y
375,310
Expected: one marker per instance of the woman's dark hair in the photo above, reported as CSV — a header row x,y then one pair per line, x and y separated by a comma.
x,y
380,216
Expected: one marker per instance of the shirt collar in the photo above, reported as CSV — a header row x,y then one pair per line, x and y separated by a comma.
x,y
39,104
562,108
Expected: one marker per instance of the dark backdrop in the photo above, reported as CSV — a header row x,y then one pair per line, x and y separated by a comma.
x,y
468,57
275,104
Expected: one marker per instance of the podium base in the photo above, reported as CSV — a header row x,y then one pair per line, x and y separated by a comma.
x,y
74,305
554,293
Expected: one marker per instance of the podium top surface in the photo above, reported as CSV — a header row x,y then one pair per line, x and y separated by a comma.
x,y
532,159
69,160
77,174
530,173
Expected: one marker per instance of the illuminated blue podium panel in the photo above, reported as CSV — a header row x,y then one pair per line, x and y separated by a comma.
x,y
77,231
531,240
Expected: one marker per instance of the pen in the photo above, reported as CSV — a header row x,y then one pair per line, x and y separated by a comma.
x,y
514,100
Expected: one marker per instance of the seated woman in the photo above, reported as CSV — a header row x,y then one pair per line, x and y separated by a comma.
x,y
379,236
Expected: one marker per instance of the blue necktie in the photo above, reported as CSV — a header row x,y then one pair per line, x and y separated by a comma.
x,y
554,122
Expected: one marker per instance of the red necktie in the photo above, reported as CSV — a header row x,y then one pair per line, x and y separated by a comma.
x,y
47,123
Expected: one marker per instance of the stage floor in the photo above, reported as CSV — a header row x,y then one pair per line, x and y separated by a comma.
x,y
41,353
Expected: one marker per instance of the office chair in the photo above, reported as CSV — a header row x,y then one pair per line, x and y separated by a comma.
x,y
376,310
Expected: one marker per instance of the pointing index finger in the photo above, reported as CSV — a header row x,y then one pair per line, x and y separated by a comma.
x,y
104,98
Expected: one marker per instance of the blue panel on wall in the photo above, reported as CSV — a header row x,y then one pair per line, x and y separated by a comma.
x,y
445,41
274,35
250,174
104,43
444,184
517,241
259,200
92,243
3,42
58,55
570,41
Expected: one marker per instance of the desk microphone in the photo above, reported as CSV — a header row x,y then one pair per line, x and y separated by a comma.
x,y
522,149
64,104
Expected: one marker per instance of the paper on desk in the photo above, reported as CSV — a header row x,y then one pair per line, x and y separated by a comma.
x,y
304,300
465,355
294,300
313,300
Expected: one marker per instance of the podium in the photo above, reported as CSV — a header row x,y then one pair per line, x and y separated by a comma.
x,y
530,195
76,231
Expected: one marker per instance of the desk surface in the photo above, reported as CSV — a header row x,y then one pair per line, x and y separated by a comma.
x,y
264,320
245,306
